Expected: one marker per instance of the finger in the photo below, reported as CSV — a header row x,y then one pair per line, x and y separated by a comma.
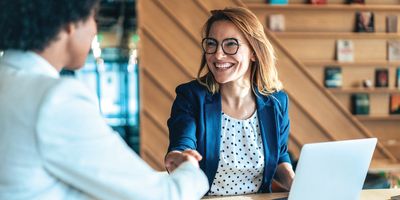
x,y
172,163
194,153
172,157
175,159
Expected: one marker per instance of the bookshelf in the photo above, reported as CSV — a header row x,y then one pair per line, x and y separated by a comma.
x,y
337,35
363,63
330,7
310,34
365,90
379,118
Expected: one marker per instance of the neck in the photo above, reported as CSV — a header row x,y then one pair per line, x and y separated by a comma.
x,y
236,94
55,53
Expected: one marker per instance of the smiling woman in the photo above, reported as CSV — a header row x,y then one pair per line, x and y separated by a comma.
x,y
234,117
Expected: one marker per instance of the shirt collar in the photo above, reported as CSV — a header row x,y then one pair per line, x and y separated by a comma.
x,y
30,61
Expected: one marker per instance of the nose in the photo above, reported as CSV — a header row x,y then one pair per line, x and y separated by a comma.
x,y
219,53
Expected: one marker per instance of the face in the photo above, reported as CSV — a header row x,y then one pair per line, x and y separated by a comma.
x,y
228,68
80,42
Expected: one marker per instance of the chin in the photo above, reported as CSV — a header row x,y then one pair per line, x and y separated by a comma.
x,y
222,80
74,67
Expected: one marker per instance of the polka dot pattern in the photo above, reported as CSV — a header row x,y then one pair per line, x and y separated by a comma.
x,y
241,164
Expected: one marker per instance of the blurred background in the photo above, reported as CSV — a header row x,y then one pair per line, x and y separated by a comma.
x,y
111,70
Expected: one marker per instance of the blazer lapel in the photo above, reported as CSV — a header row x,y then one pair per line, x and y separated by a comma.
x,y
212,113
266,117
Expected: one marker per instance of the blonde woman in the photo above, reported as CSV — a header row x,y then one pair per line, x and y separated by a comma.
x,y
234,117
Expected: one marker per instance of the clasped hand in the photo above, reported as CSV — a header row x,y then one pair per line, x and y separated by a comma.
x,y
176,158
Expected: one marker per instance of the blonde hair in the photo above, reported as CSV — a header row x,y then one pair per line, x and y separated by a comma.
x,y
264,76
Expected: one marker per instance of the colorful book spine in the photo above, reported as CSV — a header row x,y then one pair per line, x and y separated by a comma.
x,y
344,50
398,78
333,77
360,104
278,2
394,104
381,78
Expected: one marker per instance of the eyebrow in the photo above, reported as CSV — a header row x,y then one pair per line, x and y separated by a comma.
x,y
231,38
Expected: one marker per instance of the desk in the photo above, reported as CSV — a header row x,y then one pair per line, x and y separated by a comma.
x,y
381,194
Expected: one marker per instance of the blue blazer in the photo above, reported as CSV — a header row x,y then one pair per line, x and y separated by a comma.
x,y
195,123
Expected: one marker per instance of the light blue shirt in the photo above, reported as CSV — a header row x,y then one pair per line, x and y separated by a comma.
x,y
54,144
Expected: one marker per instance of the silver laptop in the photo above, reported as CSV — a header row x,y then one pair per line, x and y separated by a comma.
x,y
332,170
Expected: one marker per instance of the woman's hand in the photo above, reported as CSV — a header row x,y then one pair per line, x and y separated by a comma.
x,y
284,176
176,158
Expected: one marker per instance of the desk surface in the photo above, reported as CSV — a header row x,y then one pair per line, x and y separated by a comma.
x,y
382,194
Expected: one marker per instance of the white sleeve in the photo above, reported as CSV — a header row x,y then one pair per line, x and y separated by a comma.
x,y
79,149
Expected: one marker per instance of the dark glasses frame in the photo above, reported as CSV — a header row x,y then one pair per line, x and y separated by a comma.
x,y
203,45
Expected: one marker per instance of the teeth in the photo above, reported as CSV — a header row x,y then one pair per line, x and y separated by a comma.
x,y
223,65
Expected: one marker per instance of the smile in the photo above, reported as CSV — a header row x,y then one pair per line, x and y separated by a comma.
x,y
223,65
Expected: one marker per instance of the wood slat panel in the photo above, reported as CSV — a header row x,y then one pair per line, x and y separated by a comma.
x,y
220,4
179,12
294,147
164,69
180,45
154,100
304,130
388,2
155,142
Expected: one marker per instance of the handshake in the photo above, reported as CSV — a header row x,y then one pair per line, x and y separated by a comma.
x,y
176,158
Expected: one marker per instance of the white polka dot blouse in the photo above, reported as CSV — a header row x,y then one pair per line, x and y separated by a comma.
x,y
241,161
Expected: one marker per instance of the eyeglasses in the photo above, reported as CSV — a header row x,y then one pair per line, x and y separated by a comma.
x,y
230,46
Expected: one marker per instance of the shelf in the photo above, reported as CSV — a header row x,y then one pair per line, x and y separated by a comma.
x,y
336,35
378,117
383,166
364,90
326,7
364,63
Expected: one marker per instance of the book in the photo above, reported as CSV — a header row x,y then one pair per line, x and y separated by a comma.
x,y
391,24
394,104
381,77
333,77
356,1
360,103
318,1
344,51
393,50
276,22
397,78
365,22
278,2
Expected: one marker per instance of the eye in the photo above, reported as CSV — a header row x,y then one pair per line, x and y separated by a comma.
x,y
230,43
210,43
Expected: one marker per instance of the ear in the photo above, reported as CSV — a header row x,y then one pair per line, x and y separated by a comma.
x,y
69,28
253,56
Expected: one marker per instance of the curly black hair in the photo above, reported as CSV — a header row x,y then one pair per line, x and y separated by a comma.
x,y
34,24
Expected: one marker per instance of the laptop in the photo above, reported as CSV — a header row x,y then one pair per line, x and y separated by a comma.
x,y
332,170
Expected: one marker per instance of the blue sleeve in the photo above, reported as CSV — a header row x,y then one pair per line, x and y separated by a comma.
x,y
182,122
284,129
